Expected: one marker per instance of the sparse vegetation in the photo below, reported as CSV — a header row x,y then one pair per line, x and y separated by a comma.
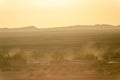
x,y
60,52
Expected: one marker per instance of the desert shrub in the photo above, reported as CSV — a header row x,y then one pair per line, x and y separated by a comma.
x,y
57,57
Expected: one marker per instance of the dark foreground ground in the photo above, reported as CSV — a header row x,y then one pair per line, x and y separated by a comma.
x,y
61,71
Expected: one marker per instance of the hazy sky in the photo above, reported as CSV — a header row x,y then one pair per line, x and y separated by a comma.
x,y
56,13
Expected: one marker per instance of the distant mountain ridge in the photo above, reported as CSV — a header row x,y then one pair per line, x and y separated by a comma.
x,y
21,28
28,27
74,27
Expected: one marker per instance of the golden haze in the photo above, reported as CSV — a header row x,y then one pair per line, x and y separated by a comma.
x,y
53,13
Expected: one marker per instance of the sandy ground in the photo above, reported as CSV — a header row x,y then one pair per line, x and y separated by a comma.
x,y
68,71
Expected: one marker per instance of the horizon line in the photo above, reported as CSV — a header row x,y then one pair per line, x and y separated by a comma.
x,y
58,26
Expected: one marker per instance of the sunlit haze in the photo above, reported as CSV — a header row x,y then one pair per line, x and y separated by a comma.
x,y
57,13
